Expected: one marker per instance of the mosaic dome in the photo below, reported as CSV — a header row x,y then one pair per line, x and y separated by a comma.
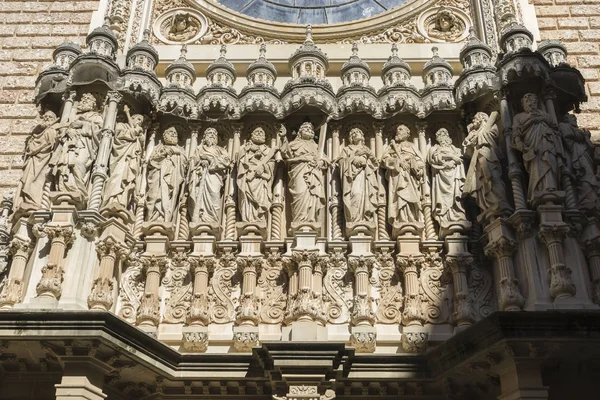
x,y
311,11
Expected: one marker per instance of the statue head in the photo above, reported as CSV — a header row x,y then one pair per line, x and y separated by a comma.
x,y
445,20
402,133
180,22
48,118
356,136
170,136
140,120
530,102
258,136
479,119
87,103
306,131
570,119
443,137
210,137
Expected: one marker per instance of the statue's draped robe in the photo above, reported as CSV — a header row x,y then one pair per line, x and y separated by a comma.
x,y
72,160
166,169
125,162
35,172
305,180
484,178
447,180
581,165
254,181
359,184
543,155
404,203
206,184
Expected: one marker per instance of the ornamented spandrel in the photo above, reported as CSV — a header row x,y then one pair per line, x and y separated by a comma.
x,y
273,284
337,289
387,281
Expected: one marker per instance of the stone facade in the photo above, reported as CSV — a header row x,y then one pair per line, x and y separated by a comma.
x,y
333,223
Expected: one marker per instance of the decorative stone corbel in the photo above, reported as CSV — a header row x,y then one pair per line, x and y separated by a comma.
x,y
414,342
53,272
195,341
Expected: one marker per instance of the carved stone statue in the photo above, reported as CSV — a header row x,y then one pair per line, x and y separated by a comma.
x,y
535,134
78,146
306,175
358,170
183,27
125,159
580,151
255,165
166,172
447,180
38,152
484,177
208,168
445,26
405,174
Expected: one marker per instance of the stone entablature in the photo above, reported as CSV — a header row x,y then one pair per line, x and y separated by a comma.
x,y
213,218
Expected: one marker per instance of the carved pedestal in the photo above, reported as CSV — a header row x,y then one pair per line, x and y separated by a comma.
x,y
409,260
21,247
154,262
460,261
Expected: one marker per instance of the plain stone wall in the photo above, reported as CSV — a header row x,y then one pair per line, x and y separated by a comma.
x,y
577,24
29,32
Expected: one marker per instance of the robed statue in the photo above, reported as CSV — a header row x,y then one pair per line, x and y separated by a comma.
x,y
447,180
166,174
405,172
38,152
580,151
306,174
207,172
484,178
125,159
255,166
535,134
360,188
78,147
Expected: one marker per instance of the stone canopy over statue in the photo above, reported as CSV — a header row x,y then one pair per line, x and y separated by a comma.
x,y
306,182
77,149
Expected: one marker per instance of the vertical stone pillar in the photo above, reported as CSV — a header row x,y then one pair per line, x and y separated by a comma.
x,y
463,315
335,185
277,206
100,172
248,309
382,233
230,232
149,311
409,267
101,296
50,285
561,285
14,289
140,195
199,310
194,133
502,245
430,233
362,312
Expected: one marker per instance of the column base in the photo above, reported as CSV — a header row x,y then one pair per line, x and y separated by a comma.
x,y
307,331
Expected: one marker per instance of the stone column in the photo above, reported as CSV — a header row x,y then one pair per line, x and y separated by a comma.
x,y
53,273
101,296
463,315
561,285
334,203
430,233
382,233
149,311
140,194
230,232
277,207
409,267
14,289
362,312
100,172
248,310
199,311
